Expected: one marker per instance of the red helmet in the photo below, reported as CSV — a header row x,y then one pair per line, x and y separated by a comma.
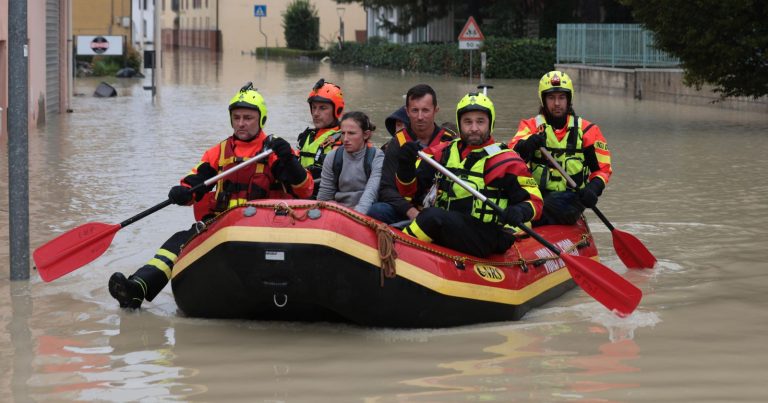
x,y
330,93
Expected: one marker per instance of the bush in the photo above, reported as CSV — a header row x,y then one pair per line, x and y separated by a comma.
x,y
109,65
301,25
507,58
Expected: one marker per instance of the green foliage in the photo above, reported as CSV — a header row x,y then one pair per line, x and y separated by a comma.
x,y
292,53
507,58
109,65
722,43
105,66
301,25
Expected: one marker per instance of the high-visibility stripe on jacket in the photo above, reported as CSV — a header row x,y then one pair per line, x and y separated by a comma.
x,y
580,148
256,181
472,170
314,145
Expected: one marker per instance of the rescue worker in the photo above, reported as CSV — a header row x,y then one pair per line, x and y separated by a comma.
x,y
278,176
458,220
326,103
577,144
421,108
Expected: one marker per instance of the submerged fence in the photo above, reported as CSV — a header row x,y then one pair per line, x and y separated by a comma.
x,y
615,45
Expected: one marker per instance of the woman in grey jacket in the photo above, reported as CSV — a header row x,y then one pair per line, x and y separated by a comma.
x,y
351,173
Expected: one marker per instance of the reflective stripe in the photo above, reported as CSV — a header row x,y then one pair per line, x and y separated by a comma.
x,y
414,230
163,261
455,197
568,152
312,152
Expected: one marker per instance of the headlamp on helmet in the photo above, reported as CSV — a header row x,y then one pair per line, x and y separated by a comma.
x,y
249,98
556,81
329,93
475,102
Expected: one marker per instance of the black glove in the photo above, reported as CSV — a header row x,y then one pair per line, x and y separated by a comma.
x,y
518,214
526,147
204,172
180,195
281,148
588,194
406,161
291,171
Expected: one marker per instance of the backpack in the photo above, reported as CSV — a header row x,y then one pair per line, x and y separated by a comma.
x,y
338,162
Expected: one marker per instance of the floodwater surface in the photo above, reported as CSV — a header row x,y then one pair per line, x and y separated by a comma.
x,y
689,182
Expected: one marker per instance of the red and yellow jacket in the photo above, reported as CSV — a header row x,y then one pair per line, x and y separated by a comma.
x,y
579,147
493,169
257,181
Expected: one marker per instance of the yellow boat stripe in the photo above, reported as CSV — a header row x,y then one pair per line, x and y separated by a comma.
x,y
370,255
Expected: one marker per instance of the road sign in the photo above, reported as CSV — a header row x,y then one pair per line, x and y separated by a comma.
x,y
471,37
260,10
99,45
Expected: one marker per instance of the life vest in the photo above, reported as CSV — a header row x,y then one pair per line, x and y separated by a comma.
x,y
338,163
441,136
250,183
471,170
568,152
313,148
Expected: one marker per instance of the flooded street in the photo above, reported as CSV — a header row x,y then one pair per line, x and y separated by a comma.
x,y
689,182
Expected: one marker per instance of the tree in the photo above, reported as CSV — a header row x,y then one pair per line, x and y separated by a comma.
x,y
721,43
506,18
301,25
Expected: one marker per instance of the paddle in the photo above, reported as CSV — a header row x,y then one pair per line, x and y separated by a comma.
x,y
630,250
81,245
603,284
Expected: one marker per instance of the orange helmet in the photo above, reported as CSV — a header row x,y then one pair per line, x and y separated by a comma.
x,y
330,93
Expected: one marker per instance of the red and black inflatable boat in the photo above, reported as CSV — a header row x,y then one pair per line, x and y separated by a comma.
x,y
302,260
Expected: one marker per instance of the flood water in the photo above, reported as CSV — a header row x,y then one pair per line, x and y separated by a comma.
x,y
690,182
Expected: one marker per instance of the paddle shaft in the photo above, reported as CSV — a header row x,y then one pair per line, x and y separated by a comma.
x,y
597,280
208,182
572,184
426,158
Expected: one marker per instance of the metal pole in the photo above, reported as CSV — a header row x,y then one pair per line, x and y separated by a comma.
x,y
18,141
266,55
483,65
470,64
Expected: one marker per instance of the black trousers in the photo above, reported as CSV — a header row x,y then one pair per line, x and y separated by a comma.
x,y
463,232
153,273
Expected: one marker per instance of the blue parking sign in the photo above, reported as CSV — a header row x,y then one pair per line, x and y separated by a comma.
x,y
260,10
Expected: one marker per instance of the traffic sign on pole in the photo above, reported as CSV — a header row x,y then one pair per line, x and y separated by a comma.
x,y
471,37
260,10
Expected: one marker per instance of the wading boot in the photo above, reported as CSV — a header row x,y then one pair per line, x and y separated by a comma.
x,y
127,291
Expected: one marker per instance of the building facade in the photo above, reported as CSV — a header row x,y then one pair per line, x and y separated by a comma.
x,y
441,30
49,49
233,25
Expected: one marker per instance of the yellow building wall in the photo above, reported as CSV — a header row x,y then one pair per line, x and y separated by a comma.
x,y
240,28
102,17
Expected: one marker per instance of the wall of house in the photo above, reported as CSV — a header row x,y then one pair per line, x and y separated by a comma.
x,y
653,84
240,30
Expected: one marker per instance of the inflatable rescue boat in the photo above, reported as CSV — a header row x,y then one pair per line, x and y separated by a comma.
x,y
301,260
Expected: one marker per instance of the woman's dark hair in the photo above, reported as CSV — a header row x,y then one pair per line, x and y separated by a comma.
x,y
361,118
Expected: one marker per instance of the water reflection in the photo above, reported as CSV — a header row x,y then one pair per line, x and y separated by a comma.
x,y
686,183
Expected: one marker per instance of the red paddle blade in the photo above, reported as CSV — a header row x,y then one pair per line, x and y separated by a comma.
x,y
603,284
73,249
631,251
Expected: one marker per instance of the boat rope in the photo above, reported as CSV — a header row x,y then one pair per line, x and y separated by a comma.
x,y
386,247
387,238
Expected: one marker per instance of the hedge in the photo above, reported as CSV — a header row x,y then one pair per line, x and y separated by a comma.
x,y
506,58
